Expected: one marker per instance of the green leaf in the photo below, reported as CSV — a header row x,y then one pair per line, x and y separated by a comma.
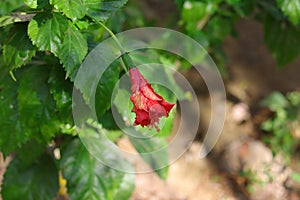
x,y
193,11
98,9
89,179
9,5
282,40
74,9
275,101
102,9
233,2
218,28
30,152
10,134
18,50
270,7
60,88
105,88
153,152
73,49
38,181
96,64
53,32
107,120
291,8
121,101
36,3
294,98
6,20
47,31
114,135
194,15
36,105
31,3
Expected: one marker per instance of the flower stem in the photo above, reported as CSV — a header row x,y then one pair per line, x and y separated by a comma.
x,y
125,55
113,37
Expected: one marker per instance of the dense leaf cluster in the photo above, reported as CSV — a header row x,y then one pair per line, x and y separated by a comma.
x,y
284,125
42,46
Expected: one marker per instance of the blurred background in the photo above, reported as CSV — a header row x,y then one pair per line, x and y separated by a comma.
x,y
255,44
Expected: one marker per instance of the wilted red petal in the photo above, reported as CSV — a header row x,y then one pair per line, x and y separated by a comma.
x,y
149,93
168,106
142,118
136,79
148,105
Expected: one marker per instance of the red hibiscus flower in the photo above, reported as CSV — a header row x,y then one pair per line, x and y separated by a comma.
x,y
148,105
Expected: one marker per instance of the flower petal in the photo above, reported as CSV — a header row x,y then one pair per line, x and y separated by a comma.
x,y
148,105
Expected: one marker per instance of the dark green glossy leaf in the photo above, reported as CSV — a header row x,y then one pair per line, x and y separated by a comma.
x,y
105,88
291,8
37,181
282,40
18,50
73,49
9,5
11,132
218,28
36,105
98,9
53,32
107,120
74,9
61,89
86,80
89,179
47,31
30,152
